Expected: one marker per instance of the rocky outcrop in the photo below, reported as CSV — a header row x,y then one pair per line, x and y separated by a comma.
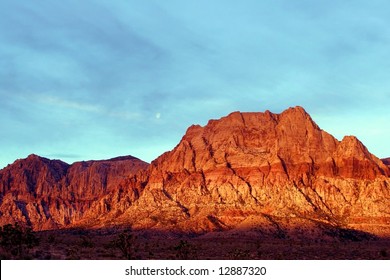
x,y
245,170
248,167
50,193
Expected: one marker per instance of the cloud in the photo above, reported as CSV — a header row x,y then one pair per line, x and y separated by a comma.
x,y
50,100
56,47
57,101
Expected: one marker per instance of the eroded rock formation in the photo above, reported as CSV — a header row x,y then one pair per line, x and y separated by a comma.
x,y
245,170
247,167
50,193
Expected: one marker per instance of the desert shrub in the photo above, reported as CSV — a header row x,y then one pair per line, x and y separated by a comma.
x,y
125,242
17,240
259,249
73,254
86,242
42,255
238,254
184,250
383,253
51,239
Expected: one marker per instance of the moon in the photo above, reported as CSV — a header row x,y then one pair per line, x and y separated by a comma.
x,y
158,115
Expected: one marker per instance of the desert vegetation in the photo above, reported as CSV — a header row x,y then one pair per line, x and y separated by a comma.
x,y
126,244
17,242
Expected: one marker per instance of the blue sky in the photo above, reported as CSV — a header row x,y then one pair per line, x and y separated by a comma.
x,y
97,79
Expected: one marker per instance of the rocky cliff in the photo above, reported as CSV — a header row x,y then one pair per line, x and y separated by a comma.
x,y
49,194
243,171
250,169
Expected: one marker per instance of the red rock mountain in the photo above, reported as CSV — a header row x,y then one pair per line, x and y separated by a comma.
x,y
244,171
253,168
50,193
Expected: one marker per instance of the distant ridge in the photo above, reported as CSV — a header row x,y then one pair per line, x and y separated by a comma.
x,y
48,194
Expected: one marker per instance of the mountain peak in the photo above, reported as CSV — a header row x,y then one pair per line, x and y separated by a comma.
x,y
33,157
295,110
351,146
250,139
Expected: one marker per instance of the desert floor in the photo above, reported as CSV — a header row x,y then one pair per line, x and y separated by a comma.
x,y
114,244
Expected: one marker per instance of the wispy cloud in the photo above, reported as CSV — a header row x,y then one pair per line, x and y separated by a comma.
x,y
124,115
69,104
56,101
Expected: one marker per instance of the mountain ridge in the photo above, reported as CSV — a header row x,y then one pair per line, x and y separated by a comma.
x,y
48,194
245,170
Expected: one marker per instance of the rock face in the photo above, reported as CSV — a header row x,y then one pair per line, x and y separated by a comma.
x,y
49,194
243,171
249,168
386,161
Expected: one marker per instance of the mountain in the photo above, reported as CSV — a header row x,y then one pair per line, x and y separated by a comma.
x,y
49,194
386,161
254,171
249,169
